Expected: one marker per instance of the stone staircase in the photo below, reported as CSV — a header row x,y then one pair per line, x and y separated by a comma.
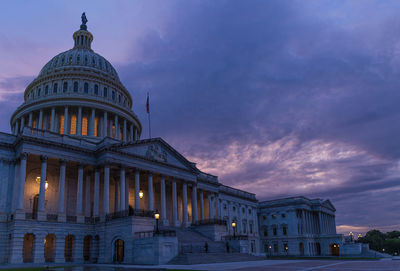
x,y
191,241
204,258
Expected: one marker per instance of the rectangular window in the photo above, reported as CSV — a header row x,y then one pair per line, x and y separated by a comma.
x,y
96,126
84,126
276,248
61,131
275,232
265,231
284,229
73,125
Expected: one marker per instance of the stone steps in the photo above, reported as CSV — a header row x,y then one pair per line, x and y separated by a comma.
x,y
204,258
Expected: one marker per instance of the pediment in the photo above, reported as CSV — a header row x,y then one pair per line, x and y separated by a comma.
x,y
158,150
327,203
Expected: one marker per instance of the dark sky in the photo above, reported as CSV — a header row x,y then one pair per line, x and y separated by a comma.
x,y
280,98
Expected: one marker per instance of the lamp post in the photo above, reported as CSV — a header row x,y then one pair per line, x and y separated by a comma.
x,y
234,229
140,194
157,217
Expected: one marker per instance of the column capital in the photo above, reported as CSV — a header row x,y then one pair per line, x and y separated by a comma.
x,y
23,156
44,158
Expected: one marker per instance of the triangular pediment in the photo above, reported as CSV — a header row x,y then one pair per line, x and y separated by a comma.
x,y
327,203
157,150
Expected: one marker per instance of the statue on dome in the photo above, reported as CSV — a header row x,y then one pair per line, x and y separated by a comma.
x,y
84,21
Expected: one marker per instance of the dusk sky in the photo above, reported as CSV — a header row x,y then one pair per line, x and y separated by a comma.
x,y
279,98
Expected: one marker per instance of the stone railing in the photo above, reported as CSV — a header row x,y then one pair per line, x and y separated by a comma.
x,y
210,222
130,212
149,234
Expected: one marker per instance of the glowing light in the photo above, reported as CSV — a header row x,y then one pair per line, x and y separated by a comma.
x,y
140,194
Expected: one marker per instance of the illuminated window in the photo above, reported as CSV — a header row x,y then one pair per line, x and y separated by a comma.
x,y
34,124
73,125
61,131
96,125
113,131
84,125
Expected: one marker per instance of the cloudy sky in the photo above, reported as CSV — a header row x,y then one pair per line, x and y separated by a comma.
x,y
280,98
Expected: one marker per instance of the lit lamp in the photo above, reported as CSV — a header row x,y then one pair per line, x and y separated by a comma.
x,y
140,194
46,184
157,217
234,229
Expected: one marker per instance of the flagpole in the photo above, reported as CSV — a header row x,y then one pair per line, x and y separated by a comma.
x,y
148,111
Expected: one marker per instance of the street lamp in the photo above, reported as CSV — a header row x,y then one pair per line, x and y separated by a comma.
x,y
234,229
157,217
140,194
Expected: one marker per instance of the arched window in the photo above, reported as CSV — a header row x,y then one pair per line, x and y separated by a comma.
x,y
55,87
38,91
73,125
86,87
65,87
113,95
86,60
96,89
46,90
75,86
119,98
105,92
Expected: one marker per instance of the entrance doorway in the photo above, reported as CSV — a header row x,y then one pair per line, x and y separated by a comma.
x,y
118,251
87,242
301,248
27,248
49,248
334,249
69,248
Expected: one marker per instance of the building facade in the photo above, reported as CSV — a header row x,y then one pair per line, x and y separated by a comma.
x,y
79,184
299,226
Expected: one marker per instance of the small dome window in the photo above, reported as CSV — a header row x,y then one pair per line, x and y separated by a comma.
x,y
38,91
55,87
113,95
93,61
119,98
86,87
96,89
105,92
65,87
86,60
75,86
46,90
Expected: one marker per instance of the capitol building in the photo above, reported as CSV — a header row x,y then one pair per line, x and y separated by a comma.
x,y
79,183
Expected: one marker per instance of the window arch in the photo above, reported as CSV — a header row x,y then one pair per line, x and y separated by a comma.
x,y
65,87
105,92
46,90
75,86
96,89
55,87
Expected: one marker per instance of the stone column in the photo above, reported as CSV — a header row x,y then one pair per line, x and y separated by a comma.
x,y
105,124
40,124
137,189
201,205
194,204
22,124
66,122
52,121
106,205
96,192
174,204
92,121
61,191
150,180
42,191
79,191
209,206
30,119
116,205
127,175
163,202
122,189
79,122
116,129
87,196
22,176
124,131
131,133
110,130
185,209
240,221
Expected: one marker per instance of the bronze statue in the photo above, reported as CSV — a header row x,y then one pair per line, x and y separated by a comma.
x,y
84,19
